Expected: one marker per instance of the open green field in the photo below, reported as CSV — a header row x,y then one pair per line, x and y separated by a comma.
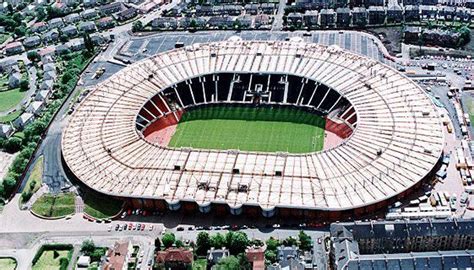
x,y
49,260
50,205
10,98
7,264
250,129
469,100
34,181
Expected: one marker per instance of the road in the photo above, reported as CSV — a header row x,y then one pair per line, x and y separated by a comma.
x,y
278,18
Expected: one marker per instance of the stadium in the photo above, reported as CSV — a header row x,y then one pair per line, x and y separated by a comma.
x,y
249,127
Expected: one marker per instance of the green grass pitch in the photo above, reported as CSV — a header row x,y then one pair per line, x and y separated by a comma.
x,y
250,129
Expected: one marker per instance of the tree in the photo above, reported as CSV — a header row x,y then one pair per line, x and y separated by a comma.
x,y
270,256
157,243
24,85
9,184
63,263
203,243
97,254
272,244
40,13
244,261
87,247
20,31
33,56
290,241
13,144
137,26
179,243
218,241
168,239
238,242
88,44
305,241
19,164
228,263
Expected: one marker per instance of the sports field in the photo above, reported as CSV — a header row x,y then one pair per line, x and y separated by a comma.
x,y
250,129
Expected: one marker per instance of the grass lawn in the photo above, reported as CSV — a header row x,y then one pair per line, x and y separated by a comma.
x,y
7,264
200,264
3,38
101,207
50,205
10,98
47,261
470,106
36,177
250,129
11,116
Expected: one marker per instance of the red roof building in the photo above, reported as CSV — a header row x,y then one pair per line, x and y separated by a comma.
x,y
256,256
175,258
119,256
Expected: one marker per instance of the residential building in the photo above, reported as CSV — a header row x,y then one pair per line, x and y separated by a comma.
x,y
36,107
50,75
343,17
232,10
295,19
175,258
256,257
32,41
14,80
118,256
164,23
7,65
428,12
39,27
221,22
113,7
51,36
89,13
49,67
47,85
89,3
76,45
359,16
69,30
261,20
127,14
6,130
245,21
72,18
215,255
375,3
268,8
55,23
311,18
105,22
446,13
23,120
376,15
427,244
327,18
251,9
87,26
412,13
394,14
43,95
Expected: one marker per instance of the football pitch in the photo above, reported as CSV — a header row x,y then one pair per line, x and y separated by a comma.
x,y
250,129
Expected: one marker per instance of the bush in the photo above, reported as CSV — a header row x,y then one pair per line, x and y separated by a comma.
x,y
13,145
63,263
168,239
26,196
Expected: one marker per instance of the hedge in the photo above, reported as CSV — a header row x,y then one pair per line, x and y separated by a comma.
x,y
49,247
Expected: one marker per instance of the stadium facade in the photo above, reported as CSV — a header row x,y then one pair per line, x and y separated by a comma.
x,y
392,136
